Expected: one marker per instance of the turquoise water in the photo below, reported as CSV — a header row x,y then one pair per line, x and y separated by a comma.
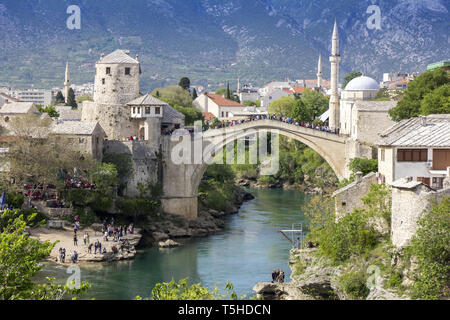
x,y
244,253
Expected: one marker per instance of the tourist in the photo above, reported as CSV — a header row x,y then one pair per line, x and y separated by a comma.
x,y
281,277
310,244
74,257
104,251
75,240
90,248
275,275
105,236
85,239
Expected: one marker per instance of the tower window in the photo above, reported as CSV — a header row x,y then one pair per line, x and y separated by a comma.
x,y
157,110
108,70
127,71
147,110
103,81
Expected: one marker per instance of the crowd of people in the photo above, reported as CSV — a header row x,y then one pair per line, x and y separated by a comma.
x,y
80,184
277,276
274,117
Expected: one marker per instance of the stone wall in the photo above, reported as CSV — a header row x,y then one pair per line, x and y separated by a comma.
x,y
408,207
348,198
144,160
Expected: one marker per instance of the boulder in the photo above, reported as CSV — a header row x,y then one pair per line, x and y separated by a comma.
x,y
159,236
168,244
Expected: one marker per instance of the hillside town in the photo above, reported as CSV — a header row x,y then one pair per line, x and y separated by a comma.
x,y
116,180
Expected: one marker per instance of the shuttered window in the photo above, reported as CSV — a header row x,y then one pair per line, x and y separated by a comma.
x,y
412,155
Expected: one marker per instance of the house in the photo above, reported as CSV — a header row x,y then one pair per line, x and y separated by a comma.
x,y
417,147
10,110
6,98
87,137
275,95
220,107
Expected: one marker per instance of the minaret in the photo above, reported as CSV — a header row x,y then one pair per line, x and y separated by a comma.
x,y
238,86
319,72
335,58
67,83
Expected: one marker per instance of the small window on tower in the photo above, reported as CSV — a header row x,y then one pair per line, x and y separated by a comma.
x,y
147,110
103,81
127,71
108,70
157,110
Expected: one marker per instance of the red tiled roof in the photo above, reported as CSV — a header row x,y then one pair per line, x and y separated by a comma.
x,y
9,97
208,116
299,89
221,101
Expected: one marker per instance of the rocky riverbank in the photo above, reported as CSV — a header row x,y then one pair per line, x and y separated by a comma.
x,y
64,239
161,228
314,278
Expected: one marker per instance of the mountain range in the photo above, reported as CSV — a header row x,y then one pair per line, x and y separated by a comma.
x,y
213,41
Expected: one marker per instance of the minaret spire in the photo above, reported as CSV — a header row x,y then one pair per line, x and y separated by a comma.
x,y
67,82
319,72
335,58
239,86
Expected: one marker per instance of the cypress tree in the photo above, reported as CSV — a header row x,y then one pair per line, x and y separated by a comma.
x,y
228,91
71,99
194,94
59,97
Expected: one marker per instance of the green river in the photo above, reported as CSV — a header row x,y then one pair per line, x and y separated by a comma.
x,y
244,253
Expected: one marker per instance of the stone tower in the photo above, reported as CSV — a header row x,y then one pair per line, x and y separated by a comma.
x,y
319,72
335,58
67,83
117,82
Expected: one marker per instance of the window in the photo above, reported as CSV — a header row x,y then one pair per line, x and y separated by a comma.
x,y
127,71
382,154
81,140
108,70
103,81
157,110
134,109
139,110
412,155
147,110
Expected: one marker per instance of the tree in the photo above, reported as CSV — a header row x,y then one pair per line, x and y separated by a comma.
x,y
228,96
411,103
50,110
222,92
437,101
174,95
37,158
315,102
60,97
349,77
431,248
185,83
282,107
71,101
194,94
191,114
20,262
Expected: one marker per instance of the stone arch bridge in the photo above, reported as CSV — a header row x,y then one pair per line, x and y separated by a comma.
x,y
181,179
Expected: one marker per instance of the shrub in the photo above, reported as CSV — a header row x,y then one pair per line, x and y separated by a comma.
x,y
432,249
351,235
354,284
15,200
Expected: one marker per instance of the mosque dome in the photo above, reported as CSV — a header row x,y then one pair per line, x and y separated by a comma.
x,y
362,83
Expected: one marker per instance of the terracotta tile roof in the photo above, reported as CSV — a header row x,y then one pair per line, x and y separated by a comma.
x,y
208,116
9,97
299,89
221,101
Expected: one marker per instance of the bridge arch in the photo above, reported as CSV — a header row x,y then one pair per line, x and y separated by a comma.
x,y
329,146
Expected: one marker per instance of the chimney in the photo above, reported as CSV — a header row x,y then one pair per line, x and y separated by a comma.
x,y
358,176
101,56
423,121
409,179
137,57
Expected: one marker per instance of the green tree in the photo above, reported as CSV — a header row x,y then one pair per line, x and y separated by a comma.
x,y
71,101
60,97
50,110
222,92
437,101
431,246
191,114
20,262
349,77
174,95
411,103
282,107
194,94
183,291
315,103
185,83
363,165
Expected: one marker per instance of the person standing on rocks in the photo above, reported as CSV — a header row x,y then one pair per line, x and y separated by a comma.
x,y
275,274
75,240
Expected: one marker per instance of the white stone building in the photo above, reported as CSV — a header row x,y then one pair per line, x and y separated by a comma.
x,y
6,98
221,108
42,97
418,148
274,95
